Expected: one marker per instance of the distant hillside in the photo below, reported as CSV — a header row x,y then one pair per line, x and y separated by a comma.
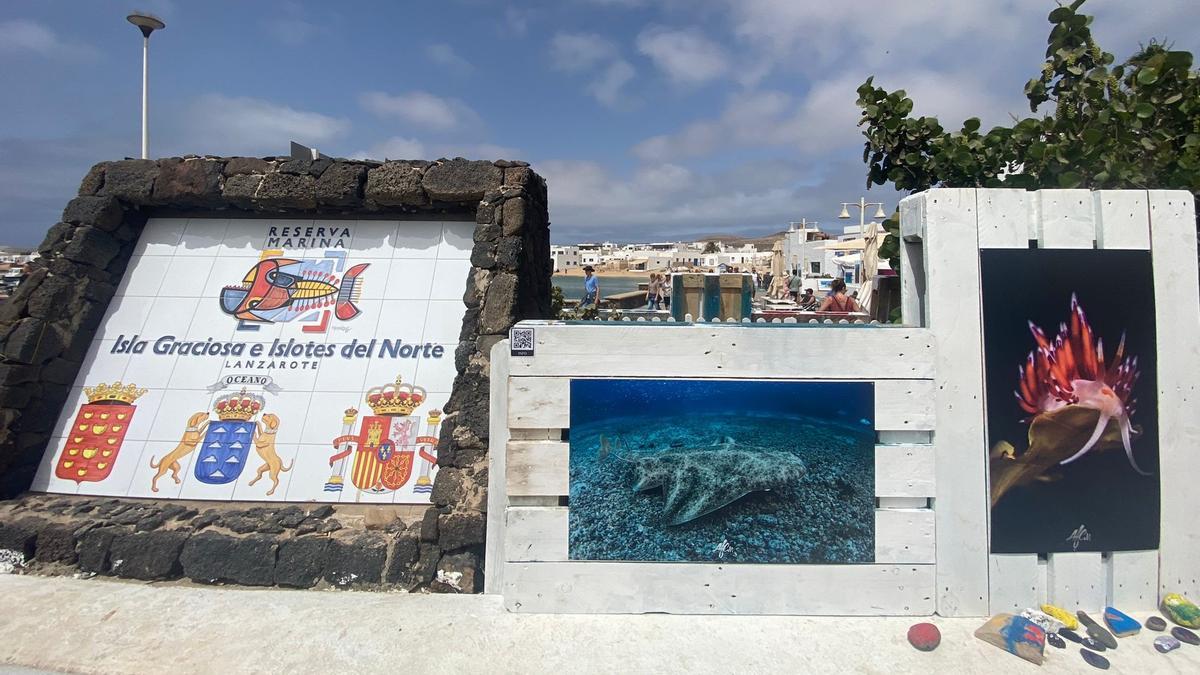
x,y
763,243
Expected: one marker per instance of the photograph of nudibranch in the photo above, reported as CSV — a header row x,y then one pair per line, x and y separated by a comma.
x,y
1069,347
722,471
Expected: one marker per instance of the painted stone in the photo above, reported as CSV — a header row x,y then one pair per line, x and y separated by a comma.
x,y
1062,615
1166,643
1121,624
1094,660
1185,635
1070,635
1156,623
1055,640
1094,645
1016,635
1096,631
1043,620
1181,610
924,636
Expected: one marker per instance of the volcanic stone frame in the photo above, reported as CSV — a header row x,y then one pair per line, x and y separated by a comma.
x,y
49,322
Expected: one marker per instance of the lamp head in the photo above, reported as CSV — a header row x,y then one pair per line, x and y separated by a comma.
x,y
879,212
147,23
845,212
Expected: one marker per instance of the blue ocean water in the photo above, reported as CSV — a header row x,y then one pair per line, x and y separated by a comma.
x,y
826,517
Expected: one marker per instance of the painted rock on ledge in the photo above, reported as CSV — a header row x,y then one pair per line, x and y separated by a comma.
x,y
1185,635
1094,645
1055,640
1181,610
1156,623
1121,624
1094,660
1062,615
1043,620
1070,635
1096,631
924,636
1166,643
1016,635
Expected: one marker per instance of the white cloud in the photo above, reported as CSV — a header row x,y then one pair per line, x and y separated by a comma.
x,y
686,56
444,55
580,51
396,147
607,88
399,147
421,109
24,35
517,20
291,31
219,124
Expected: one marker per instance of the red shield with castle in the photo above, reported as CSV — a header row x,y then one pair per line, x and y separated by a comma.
x,y
94,440
383,447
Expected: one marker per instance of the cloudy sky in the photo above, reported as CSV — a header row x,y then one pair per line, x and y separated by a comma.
x,y
649,119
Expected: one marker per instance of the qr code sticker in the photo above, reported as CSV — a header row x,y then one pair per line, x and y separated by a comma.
x,y
521,341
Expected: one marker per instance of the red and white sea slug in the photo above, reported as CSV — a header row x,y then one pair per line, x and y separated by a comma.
x,y
1071,371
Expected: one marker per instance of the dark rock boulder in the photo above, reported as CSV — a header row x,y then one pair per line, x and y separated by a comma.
x,y
103,213
356,561
461,180
396,184
130,180
210,557
301,561
147,555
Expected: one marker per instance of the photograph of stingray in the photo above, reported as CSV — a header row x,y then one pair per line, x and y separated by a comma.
x,y
1072,416
720,471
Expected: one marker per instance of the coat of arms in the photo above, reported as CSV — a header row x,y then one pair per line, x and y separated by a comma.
x,y
381,454
94,440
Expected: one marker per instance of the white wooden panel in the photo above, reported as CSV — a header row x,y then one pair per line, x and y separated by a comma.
x,y
536,533
1122,219
688,588
800,351
953,313
1076,581
1066,219
904,536
1133,580
1013,582
902,502
905,437
1177,314
912,263
1004,218
542,402
912,218
497,439
904,471
537,468
533,434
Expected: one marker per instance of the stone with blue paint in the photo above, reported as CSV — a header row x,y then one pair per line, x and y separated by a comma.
x,y
1120,623
1016,635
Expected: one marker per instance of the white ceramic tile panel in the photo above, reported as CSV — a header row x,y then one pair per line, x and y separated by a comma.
x,y
148,370
418,239
323,420
373,281
403,320
361,327
44,479
444,321
125,316
306,481
75,399
457,240
160,236
202,237
337,374
143,276
173,412
143,484
276,478
409,279
373,239
437,373
170,316
187,277
124,469
101,365
450,279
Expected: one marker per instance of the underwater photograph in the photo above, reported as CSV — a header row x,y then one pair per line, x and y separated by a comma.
x,y
722,471
1072,419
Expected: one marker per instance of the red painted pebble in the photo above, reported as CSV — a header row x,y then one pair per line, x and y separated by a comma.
x,y
924,636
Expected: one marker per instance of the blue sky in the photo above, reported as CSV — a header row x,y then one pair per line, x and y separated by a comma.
x,y
649,120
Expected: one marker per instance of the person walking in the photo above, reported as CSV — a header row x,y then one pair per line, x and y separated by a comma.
x,y
590,304
794,285
666,291
653,292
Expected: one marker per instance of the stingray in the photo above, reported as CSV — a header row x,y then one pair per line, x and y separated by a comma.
x,y
699,481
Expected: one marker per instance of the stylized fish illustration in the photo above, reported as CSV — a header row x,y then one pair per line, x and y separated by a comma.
x,y
283,289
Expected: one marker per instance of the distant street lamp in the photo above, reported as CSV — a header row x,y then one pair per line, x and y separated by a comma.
x,y
862,211
146,23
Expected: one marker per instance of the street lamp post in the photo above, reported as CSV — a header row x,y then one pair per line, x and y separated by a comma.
x,y
147,24
862,217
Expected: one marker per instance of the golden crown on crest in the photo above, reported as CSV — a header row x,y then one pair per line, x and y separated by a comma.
x,y
394,400
113,393
240,406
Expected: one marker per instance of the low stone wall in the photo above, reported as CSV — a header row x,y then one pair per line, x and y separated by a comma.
x,y
49,322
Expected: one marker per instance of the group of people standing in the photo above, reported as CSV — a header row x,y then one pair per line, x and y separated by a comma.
x,y
790,287
658,291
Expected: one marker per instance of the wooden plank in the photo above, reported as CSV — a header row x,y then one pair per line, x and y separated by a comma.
x,y
541,402
1013,583
905,437
1066,219
902,502
535,434
912,262
954,315
536,500
692,588
497,496
1004,218
1076,581
904,536
775,351
1122,219
536,533
1177,313
537,468
1133,580
904,471
912,218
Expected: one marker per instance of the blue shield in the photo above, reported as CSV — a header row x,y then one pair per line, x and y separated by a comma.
x,y
223,452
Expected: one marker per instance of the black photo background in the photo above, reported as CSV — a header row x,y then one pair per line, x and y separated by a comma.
x,y
1099,502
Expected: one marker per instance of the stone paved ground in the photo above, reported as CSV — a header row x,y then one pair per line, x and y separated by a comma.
x,y
110,626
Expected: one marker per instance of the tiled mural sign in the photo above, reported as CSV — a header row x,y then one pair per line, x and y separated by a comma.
x,y
283,360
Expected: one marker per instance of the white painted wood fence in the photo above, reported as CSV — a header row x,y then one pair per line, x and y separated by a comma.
x,y
931,551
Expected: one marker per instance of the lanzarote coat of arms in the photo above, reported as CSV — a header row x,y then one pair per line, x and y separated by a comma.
x,y
380,455
94,440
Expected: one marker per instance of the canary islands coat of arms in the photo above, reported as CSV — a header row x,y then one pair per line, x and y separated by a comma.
x,y
381,454
94,440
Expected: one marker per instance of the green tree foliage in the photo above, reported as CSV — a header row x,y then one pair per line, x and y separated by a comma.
x,y
711,247
1131,125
